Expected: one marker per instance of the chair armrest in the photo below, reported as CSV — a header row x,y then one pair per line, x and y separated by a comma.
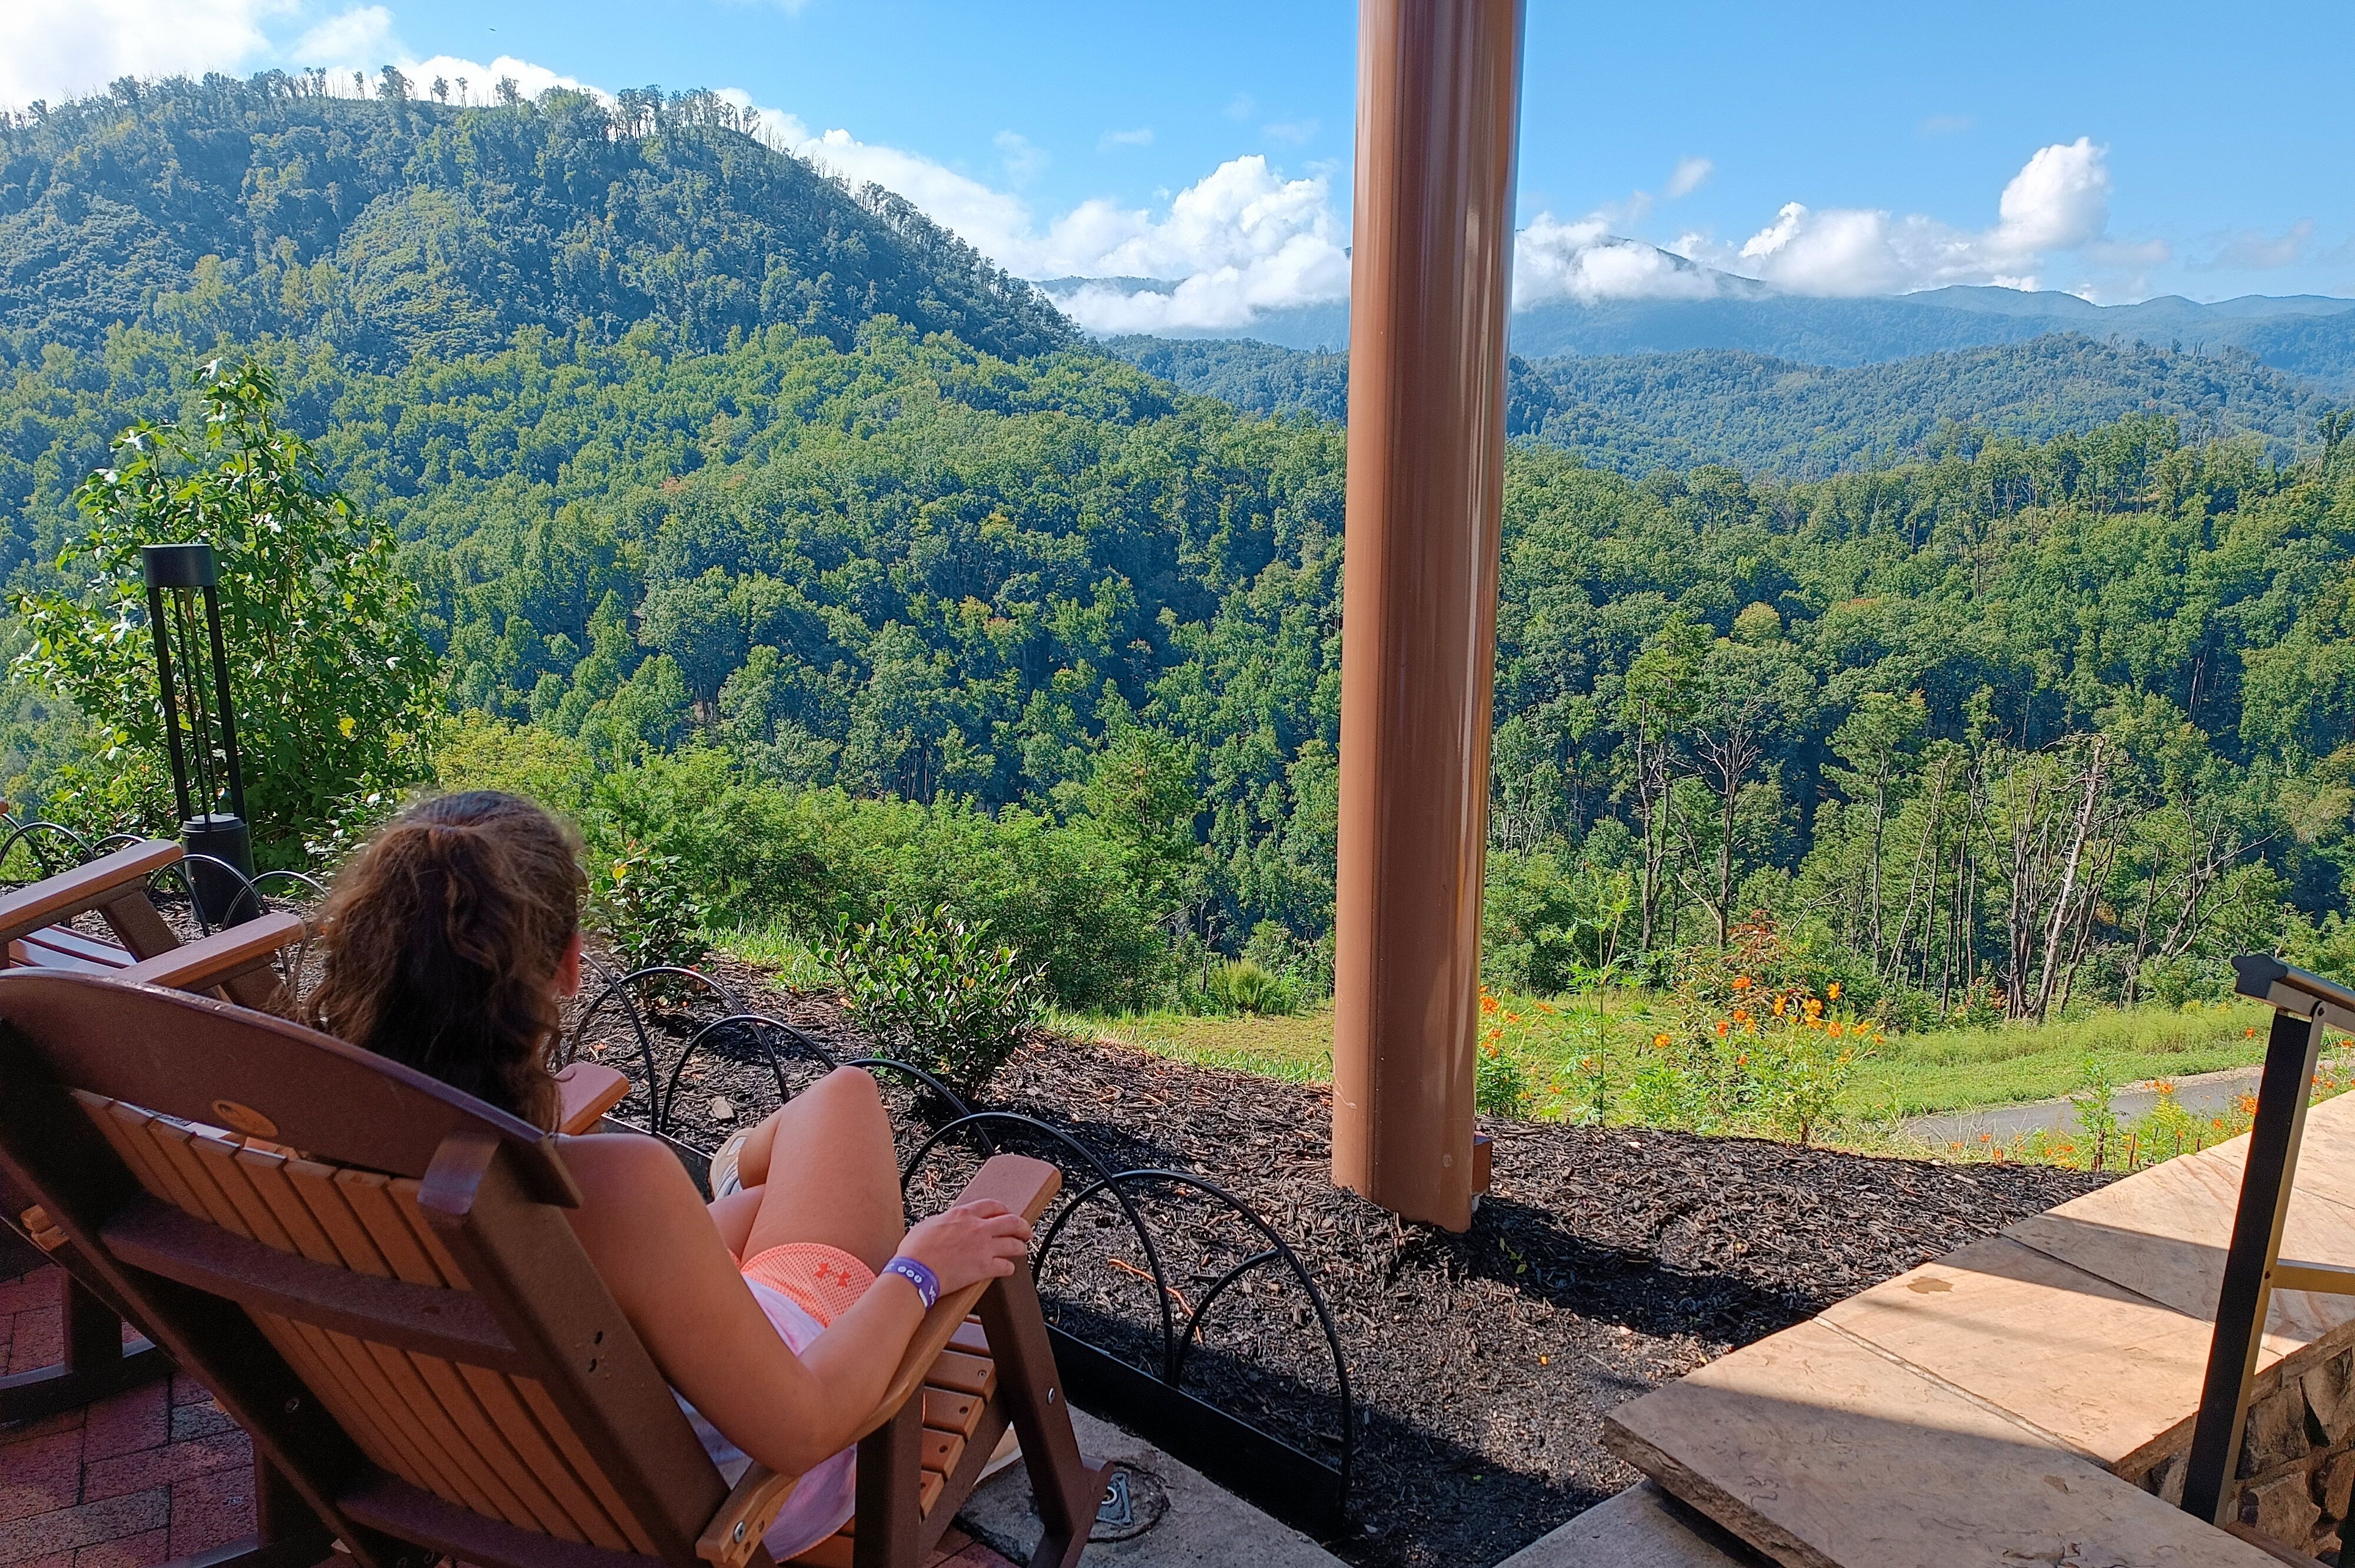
x,y
585,1091
220,958
84,888
735,1532
1024,1185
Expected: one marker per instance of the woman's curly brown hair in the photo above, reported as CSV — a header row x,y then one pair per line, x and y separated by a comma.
x,y
441,943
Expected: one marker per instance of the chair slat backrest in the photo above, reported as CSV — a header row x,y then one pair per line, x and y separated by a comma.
x,y
411,1268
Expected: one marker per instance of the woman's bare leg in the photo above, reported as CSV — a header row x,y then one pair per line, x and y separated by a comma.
x,y
734,1214
833,1176
753,1159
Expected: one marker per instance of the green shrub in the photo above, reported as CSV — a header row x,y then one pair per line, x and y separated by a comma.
x,y
333,680
1544,922
642,904
1242,985
2326,947
1500,1084
1800,1077
755,853
932,990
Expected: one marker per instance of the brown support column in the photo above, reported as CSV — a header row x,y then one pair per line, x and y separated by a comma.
x,y
1437,82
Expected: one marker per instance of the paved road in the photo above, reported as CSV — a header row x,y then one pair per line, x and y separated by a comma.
x,y
2203,1094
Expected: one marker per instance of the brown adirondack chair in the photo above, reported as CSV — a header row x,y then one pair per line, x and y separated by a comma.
x,y
34,933
96,1361
402,1317
234,963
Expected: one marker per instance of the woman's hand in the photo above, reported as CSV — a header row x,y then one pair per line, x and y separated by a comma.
x,y
980,1240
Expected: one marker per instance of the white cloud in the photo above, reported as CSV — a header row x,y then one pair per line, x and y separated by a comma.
x,y
1241,240
1687,176
1024,161
2059,200
1585,262
1140,137
1240,107
359,39
2055,210
56,49
482,80
1293,131
2254,251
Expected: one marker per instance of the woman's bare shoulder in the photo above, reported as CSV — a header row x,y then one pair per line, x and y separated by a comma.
x,y
628,1171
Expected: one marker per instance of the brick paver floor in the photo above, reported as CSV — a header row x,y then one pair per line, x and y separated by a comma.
x,y
147,1476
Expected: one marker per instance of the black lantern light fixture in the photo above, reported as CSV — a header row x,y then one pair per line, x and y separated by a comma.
x,y
184,609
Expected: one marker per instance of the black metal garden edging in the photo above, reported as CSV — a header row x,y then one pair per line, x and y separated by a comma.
x,y
1293,1485
2302,1004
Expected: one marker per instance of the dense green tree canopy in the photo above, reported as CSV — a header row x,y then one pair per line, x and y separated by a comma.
x,y
402,227
1640,412
873,580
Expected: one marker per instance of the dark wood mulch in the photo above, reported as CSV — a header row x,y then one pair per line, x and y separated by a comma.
x,y
1604,1263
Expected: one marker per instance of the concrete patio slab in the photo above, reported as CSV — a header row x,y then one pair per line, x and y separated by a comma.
x,y
1204,1524
1643,1527
2161,1233
2110,1373
1825,1453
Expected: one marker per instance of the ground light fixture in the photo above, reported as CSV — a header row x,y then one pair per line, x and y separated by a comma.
x,y
207,783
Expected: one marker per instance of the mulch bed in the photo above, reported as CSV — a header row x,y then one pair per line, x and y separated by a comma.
x,y
1604,1263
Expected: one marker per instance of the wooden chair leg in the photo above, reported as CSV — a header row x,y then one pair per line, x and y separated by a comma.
x,y
1067,1489
890,1471
95,1365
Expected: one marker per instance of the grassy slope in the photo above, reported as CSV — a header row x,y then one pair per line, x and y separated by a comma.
x,y
1911,1075
1958,1069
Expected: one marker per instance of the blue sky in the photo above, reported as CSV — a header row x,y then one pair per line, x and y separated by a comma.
x,y
1829,149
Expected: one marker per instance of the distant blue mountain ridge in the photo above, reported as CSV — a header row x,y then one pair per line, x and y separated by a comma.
x,y
2309,337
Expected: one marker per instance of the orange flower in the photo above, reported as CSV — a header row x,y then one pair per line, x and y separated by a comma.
x,y
1741,1015
1780,1004
1832,990
1487,1003
1722,1026
1741,982
1815,1008
1661,1041
2248,1034
1833,1030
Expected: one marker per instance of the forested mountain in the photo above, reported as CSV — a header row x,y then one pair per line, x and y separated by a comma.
x,y
403,226
1639,412
1650,411
1873,705
1257,377
710,475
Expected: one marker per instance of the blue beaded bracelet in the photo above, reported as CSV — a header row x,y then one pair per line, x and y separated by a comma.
x,y
927,1283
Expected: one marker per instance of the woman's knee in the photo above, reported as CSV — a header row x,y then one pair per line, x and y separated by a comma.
x,y
849,1087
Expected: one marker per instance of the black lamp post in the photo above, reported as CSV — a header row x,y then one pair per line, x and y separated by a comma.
x,y
203,736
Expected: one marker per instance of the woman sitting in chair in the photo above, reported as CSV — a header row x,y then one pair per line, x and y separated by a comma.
x,y
779,1312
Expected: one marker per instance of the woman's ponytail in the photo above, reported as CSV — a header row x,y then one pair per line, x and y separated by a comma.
x,y
441,942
